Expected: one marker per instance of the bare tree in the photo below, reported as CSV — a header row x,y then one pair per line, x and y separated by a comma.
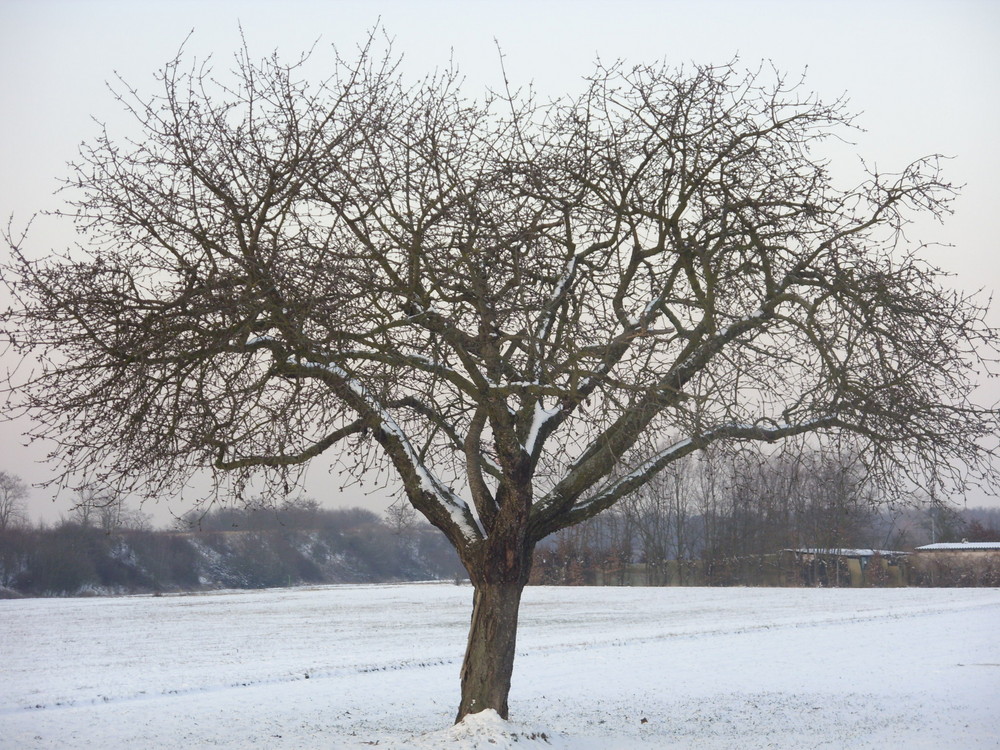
x,y
98,508
525,310
400,516
664,506
13,497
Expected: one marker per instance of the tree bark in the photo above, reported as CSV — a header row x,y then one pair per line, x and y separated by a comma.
x,y
489,655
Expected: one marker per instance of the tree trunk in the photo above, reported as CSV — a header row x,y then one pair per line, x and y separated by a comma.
x,y
489,656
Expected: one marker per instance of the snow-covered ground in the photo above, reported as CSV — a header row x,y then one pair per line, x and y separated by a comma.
x,y
609,668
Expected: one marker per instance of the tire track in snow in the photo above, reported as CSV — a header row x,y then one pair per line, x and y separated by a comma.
x,y
541,630
319,674
854,618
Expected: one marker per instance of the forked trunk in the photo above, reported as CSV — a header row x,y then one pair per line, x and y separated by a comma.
x,y
489,656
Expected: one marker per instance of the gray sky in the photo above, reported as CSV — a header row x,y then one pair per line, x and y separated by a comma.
x,y
924,74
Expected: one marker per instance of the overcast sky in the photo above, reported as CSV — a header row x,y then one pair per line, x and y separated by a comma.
x,y
925,74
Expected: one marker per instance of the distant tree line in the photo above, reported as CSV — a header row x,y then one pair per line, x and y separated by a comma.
x,y
723,519
257,547
715,520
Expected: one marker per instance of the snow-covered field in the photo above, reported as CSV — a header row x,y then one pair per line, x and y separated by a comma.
x,y
361,666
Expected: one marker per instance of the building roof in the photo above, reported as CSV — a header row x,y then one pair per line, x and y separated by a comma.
x,y
959,546
847,552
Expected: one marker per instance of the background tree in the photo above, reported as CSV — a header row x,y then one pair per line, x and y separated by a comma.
x,y
525,310
13,499
400,516
15,546
95,507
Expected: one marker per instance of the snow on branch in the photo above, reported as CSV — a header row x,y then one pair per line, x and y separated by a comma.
x,y
457,509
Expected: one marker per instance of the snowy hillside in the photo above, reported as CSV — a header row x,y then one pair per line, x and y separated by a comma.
x,y
353,546
611,668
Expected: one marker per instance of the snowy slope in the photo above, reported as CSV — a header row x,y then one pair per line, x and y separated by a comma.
x,y
349,666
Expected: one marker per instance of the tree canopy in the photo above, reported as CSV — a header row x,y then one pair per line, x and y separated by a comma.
x,y
524,309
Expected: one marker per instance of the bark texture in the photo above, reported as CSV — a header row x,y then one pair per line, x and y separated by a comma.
x,y
489,655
